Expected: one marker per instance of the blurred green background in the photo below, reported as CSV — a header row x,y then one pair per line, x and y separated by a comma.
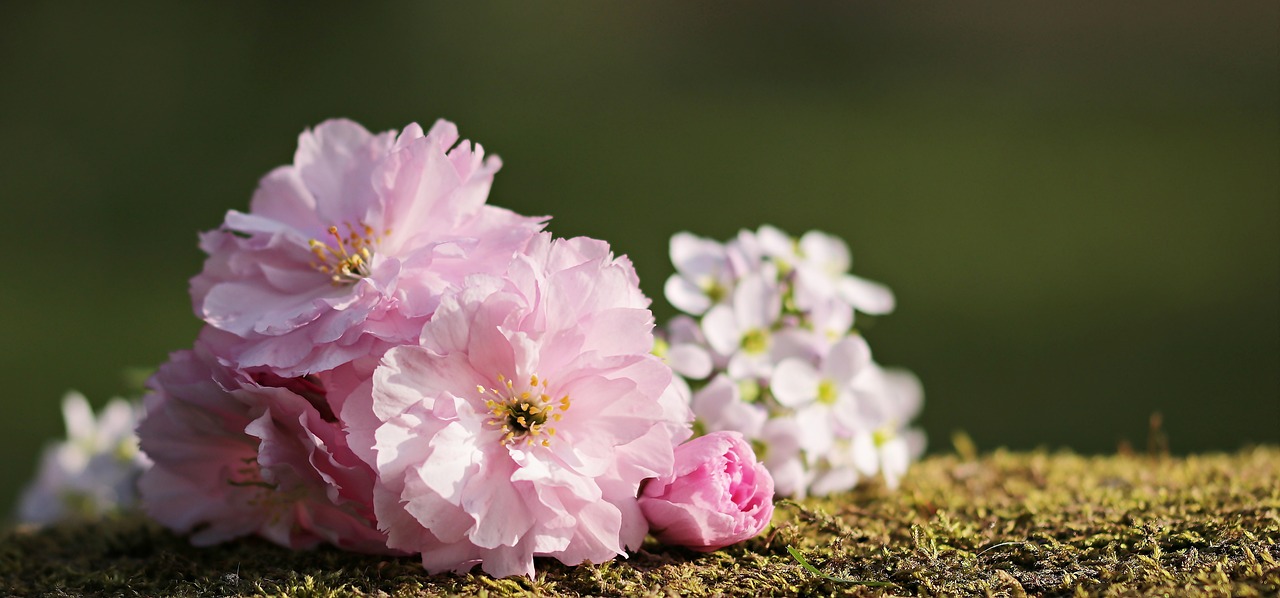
x,y
1078,205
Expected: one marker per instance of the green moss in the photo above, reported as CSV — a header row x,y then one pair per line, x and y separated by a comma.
x,y
1007,524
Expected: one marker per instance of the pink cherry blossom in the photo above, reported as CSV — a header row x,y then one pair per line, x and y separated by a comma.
x,y
237,454
525,422
345,252
716,495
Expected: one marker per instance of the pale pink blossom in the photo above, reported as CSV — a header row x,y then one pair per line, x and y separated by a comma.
x,y
345,252
239,454
716,495
527,419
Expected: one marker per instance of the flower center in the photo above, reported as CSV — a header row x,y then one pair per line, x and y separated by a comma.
x,y
249,475
882,436
345,259
525,415
264,496
827,394
755,341
713,289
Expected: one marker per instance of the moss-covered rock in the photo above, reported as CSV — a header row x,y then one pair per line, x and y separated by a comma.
x,y
1008,524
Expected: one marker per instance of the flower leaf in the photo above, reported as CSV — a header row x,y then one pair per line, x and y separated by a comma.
x,y
805,563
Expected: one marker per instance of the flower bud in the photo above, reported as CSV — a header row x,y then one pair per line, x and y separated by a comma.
x,y
717,495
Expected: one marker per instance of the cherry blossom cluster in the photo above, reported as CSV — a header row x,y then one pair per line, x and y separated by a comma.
x,y
768,347
389,364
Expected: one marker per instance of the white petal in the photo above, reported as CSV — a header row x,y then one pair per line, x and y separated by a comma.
x,y
832,318
694,256
686,296
722,331
865,456
747,366
78,417
837,479
907,393
690,361
683,329
776,243
789,478
867,296
718,407
756,303
795,382
814,287
826,251
782,435
894,461
815,424
847,357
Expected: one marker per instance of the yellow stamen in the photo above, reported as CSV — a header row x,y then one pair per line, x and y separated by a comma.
x,y
346,259
524,413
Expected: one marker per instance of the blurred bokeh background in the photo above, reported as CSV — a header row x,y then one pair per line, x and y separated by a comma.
x,y
1077,205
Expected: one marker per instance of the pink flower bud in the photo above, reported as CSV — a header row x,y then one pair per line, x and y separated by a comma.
x,y
717,495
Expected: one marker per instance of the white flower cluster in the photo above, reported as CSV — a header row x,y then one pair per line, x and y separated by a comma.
x,y
769,349
94,472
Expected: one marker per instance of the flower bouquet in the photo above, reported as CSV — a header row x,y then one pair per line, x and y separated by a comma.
x,y
391,365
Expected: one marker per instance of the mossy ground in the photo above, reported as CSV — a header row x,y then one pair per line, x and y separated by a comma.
x,y
1004,524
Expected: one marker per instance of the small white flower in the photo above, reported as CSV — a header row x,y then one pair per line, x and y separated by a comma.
x,y
893,451
779,448
821,264
742,332
797,382
781,363
866,296
829,321
703,275
887,400
887,396
848,461
823,397
94,471
720,406
684,348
